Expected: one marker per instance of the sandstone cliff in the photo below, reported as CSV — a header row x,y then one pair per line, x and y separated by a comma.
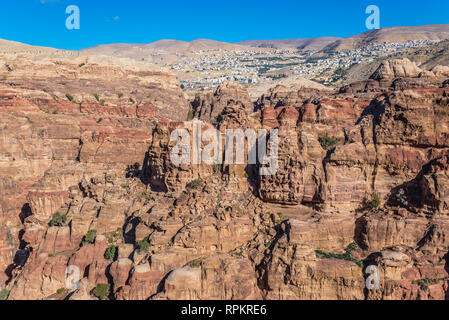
x,y
363,180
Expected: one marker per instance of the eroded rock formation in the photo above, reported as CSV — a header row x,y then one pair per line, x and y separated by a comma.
x,y
362,181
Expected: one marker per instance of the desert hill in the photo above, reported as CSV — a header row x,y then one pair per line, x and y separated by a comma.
x,y
137,50
300,44
393,34
167,45
14,47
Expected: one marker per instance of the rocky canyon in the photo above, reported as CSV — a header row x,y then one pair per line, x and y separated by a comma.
x,y
88,189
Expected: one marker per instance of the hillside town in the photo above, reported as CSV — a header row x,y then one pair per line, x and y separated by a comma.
x,y
206,69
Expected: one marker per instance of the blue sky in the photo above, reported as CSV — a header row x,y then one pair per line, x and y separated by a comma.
x,y
42,22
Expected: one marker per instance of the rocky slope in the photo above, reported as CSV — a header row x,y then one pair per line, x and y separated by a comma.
x,y
363,180
391,34
167,46
110,82
292,44
426,58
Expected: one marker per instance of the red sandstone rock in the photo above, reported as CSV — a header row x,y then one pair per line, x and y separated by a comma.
x,y
279,237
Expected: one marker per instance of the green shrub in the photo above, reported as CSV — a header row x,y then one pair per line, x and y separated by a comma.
x,y
340,71
341,256
132,171
89,237
102,291
96,97
190,115
60,291
217,168
351,247
102,102
9,238
195,263
374,203
131,100
81,65
143,245
269,244
115,236
120,95
424,283
327,143
4,293
195,184
110,253
69,97
58,220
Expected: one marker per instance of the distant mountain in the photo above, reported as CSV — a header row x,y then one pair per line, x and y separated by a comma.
x,y
168,46
7,46
300,44
393,34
